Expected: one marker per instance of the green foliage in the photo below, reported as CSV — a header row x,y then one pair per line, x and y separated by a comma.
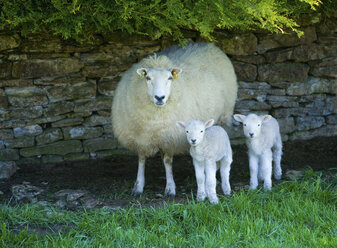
x,y
82,19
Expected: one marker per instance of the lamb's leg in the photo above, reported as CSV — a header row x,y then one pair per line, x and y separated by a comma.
x,y
200,177
266,166
225,167
139,184
210,168
253,168
277,154
170,189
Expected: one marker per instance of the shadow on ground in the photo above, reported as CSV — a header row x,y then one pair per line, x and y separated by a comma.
x,y
108,182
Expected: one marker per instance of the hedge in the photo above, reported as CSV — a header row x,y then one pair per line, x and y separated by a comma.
x,y
83,19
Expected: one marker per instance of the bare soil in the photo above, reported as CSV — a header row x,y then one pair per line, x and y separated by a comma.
x,y
110,180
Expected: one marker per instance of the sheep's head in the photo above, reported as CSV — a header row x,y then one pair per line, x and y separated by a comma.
x,y
159,83
252,124
195,130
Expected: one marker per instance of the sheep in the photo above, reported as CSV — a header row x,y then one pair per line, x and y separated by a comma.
x,y
264,143
195,82
209,146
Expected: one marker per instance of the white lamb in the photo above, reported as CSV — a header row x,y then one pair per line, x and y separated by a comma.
x,y
209,145
264,143
195,82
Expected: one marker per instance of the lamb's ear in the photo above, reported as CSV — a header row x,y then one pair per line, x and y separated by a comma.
x,y
175,72
181,124
239,118
209,123
266,118
142,72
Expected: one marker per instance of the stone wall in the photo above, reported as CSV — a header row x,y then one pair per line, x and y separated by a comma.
x,y
55,95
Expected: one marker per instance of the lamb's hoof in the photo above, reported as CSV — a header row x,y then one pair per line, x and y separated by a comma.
x,y
278,177
201,197
227,193
214,200
170,194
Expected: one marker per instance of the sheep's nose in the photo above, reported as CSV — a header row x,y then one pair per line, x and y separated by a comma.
x,y
251,135
159,98
193,140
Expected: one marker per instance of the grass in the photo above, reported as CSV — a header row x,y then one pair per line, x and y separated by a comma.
x,y
294,214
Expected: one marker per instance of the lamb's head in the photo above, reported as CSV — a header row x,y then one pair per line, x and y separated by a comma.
x,y
252,124
195,130
159,83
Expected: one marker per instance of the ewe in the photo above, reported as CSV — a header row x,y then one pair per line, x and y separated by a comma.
x,y
262,135
196,82
209,145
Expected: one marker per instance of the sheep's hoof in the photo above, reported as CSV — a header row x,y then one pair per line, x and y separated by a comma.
x,y
135,192
278,177
169,194
214,200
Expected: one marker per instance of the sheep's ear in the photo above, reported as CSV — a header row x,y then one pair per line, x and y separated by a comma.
x,y
266,118
209,123
142,72
180,124
175,72
239,118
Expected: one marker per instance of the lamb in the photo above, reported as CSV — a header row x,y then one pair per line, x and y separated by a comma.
x,y
264,143
209,145
195,82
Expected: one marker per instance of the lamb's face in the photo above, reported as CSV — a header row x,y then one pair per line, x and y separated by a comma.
x,y
159,82
195,130
252,124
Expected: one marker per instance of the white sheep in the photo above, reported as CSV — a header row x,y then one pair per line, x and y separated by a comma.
x,y
264,143
209,145
195,82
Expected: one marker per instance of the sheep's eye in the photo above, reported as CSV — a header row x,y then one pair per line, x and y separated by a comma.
x,y
259,124
245,124
201,131
148,78
186,131
170,78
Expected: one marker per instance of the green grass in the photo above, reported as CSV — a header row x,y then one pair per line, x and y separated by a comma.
x,y
294,214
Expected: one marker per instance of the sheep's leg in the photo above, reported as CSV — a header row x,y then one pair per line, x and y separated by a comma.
x,y
277,154
140,182
210,168
266,166
170,189
200,177
253,168
225,167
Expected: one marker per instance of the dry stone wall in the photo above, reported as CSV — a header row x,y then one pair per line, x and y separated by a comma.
x,y
55,95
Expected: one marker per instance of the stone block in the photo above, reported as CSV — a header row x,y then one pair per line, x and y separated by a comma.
x,y
58,148
58,108
287,125
320,85
49,135
68,122
245,72
50,159
7,169
271,41
283,101
298,89
309,122
16,83
32,130
279,55
107,85
309,52
28,96
331,119
83,90
289,72
100,71
5,69
326,68
251,105
81,132
254,85
97,120
242,44
26,141
6,134
9,42
99,103
104,143
76,156
9,155
250,59
26,113
325,131
287,112
36,68
320,107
